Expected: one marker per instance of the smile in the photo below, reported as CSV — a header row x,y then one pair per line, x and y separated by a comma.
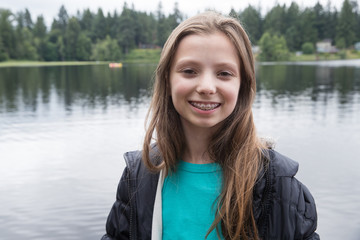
x,y
205,106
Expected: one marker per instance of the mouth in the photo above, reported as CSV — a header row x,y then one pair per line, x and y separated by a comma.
x,y
205,106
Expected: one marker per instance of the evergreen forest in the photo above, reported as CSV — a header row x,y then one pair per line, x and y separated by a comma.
x,y
99,36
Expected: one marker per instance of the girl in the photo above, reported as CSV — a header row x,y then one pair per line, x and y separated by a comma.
x,y
208,175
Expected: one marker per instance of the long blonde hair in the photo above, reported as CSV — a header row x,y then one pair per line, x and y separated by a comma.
x,y
235,146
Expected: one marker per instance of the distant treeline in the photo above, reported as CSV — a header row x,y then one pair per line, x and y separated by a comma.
x,y
94,36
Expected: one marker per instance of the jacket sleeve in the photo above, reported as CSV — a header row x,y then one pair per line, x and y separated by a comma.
x,y
295,209
288,209
118,221
306,215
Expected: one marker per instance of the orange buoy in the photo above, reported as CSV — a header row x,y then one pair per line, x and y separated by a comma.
x,y
115,65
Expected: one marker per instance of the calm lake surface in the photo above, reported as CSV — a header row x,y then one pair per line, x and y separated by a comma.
x,y
63,131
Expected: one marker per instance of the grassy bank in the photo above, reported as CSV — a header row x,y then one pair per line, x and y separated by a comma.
x,y
39,63
153,56
143,56
348,54
135,56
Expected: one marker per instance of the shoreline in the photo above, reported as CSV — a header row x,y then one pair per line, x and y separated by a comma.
x,y
330,62
15,63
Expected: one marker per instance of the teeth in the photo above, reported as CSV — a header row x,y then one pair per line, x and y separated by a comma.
x,y
206,107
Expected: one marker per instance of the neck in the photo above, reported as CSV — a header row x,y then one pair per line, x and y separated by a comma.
x,y
197,142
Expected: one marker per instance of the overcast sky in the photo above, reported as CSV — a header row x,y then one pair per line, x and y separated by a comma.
x,y
50,8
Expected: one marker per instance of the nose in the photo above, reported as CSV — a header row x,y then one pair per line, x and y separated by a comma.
x,y
206,84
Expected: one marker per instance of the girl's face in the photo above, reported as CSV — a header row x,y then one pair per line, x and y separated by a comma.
x,y
205,80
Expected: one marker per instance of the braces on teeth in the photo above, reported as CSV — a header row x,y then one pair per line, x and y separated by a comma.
x,y
203,106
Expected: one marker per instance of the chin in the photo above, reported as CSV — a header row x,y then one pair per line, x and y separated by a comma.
x,y
210,125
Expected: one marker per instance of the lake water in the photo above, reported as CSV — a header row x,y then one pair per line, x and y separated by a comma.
x,y
63,131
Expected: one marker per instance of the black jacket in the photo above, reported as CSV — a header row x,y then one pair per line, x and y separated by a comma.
x,y
283,207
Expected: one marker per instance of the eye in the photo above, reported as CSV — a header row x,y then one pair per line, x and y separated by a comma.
x,y
189,71
225,74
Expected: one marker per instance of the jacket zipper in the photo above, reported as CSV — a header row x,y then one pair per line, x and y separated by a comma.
x,y
131,227
265,204
131,208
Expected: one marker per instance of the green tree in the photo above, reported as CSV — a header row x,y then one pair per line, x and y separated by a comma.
x,y
55,39
274,21
127,32
51,52
251,19
341,43
61,48
273,48
346,26
20,19
145,31
308,48
163,26
293,31
39,33
110,20
53,35
28,23
26,48
308,29
175,18
83,47
62,21
320,20
138,28
24,39
3,54
100,26
39,30
86,21
330,18
114,25
357,26
7,33
106,50
71,38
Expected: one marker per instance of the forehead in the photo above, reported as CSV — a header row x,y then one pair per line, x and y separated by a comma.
x,y
219,36
207,46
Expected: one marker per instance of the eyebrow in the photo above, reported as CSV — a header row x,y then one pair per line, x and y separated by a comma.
x,y
186,61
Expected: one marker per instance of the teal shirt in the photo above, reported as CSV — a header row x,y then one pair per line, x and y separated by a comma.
x,y
189,201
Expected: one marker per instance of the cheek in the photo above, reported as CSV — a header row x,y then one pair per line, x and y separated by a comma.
x,y
232,96
179,89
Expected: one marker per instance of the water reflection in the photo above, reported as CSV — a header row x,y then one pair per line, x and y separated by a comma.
x,y
295,80
63,131
86,86
98,86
